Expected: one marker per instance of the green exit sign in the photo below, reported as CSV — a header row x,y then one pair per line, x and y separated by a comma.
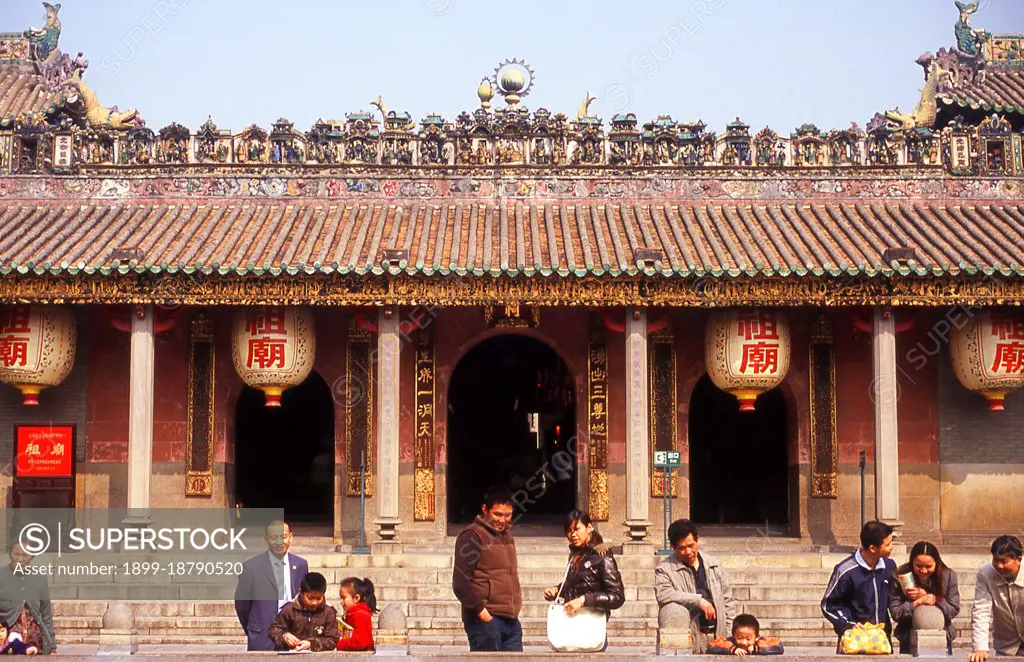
x,y
664,459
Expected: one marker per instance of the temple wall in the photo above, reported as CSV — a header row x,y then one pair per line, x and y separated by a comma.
x,y
838,520
982,455
62,404
961,467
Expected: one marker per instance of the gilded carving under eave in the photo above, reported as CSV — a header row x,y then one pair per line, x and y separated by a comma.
x,y
648,291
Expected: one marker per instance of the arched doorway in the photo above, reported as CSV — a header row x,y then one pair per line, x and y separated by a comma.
x,y
739,464
284,456
494,390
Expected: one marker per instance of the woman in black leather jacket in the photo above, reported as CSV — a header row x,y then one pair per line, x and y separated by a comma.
x,y
593,579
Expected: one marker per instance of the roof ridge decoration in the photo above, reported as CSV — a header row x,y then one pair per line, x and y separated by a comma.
x,y
996,49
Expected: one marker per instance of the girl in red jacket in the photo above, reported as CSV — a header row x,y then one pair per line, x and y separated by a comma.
x,y
360,605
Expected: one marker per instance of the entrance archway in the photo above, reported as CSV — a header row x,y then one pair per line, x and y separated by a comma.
x,y
284,456
739,464
494,389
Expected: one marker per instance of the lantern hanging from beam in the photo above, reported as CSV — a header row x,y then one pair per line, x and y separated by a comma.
x,y
37,347
273,348
988,354
746,352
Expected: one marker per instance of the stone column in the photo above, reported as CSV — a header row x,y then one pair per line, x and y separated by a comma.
x,y
885,393
389,348
638,483
140,408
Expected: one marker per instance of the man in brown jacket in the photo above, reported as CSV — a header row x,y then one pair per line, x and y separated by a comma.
x,y
307,623
486,577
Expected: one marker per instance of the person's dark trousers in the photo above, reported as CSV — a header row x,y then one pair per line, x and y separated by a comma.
x,y
503,635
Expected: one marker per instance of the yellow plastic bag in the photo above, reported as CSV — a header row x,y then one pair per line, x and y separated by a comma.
x,y
865,639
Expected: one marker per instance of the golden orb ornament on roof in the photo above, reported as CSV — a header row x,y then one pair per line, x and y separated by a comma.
x,y
486,93
514,79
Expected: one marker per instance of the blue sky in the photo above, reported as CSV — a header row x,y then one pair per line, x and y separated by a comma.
x,y
772,62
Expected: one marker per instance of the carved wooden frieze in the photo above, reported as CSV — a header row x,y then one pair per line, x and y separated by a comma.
x,y
597,417
824,444
424,421
358,405
662,385
199,440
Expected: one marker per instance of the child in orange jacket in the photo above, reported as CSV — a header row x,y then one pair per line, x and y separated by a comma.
x,y
360,604
746,639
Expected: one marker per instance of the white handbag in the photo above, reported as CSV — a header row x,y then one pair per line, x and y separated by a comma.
x,y
584,632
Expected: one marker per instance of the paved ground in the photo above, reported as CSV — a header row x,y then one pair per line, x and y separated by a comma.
x,y
185,653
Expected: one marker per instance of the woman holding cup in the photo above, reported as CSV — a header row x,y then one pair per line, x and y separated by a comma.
x,y
925,580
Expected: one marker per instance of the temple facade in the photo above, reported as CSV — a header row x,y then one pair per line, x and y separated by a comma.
x,y
369,322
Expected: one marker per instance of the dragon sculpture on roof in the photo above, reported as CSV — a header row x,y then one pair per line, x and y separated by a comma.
x,y
926,111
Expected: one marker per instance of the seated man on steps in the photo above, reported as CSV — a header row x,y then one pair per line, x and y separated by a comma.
x,y
999,602
692,589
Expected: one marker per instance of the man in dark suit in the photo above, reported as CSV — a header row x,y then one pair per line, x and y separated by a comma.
x,y
268,582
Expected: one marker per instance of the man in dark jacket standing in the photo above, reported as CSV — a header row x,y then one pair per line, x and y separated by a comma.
x,y
486,577
859,589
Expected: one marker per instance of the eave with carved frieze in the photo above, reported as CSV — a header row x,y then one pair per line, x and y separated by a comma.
x,y
323,290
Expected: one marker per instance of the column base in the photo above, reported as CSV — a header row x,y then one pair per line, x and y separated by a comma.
x,y
387,528
637,529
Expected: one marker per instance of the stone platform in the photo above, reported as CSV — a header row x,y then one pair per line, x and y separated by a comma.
x,y
779,581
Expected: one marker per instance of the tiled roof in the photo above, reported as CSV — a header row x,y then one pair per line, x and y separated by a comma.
x,y
532,238
22,92
1000,89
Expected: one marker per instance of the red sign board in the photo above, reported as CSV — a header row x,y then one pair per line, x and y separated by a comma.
x,y
44,451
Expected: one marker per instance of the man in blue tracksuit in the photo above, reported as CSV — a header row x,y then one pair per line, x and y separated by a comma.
x,y
858,591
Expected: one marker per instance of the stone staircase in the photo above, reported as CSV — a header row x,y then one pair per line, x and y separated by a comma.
x,y
778,580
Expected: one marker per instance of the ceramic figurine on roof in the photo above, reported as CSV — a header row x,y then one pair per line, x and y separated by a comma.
x,y
737,144
967,38
98,115
43,41
172,147
326,141
212,145
137,149
436,141
925,112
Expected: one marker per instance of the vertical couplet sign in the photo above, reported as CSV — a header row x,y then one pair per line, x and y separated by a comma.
x,y
44,451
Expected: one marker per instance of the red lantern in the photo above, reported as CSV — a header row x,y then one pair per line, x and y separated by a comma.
x,y
988,355
747,352
37,348
273,348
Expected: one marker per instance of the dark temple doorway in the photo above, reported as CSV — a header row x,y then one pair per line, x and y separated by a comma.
x,y
494,390
739,462
284,456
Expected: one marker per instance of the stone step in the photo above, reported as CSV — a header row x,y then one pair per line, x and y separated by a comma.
x,y
537,623
552,559
531,609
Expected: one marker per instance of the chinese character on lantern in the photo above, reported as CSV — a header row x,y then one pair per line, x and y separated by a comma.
x,y
266,322
760,358
757,325
1009,358
1007,328
266,353
14,337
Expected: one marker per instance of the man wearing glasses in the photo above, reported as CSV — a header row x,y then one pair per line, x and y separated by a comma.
x,y
693,587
